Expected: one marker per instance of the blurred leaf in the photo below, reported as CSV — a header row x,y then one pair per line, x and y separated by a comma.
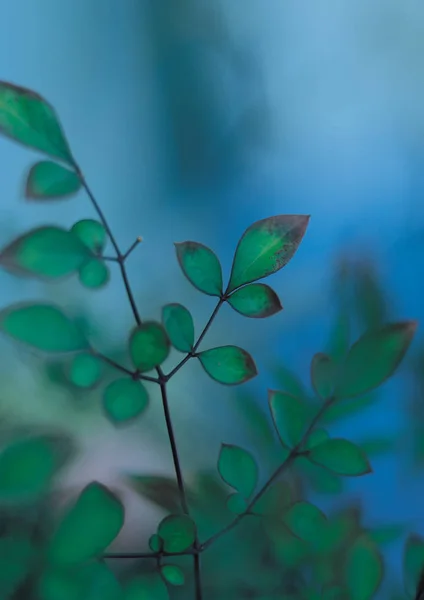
x,y
16,556
323,374
316,437
265,247
306,521
274,500
149,346
238,469
42,326
347,408
92,234
148,586
340,456
162,491
47,181
377,446
155,543
85,370
92,581
27,118
413,562
172,574
370,301
256,419
289,381
319,478
339,340
178,533
290,416
229,365
374,358
386,534
364,569
94,274
201,267
179,326
124,400
45,252
236,503
256,300
88,527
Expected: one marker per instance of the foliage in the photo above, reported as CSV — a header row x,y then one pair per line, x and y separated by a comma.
x,y
301,552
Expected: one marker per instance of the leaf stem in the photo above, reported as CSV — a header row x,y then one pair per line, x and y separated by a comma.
x,y
294,453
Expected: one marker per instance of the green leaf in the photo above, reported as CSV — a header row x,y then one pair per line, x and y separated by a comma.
x,y
91,233
257,421
124,399
288,381
148,586
323,374
179,326
229,365
27,467
370,298
47,180
16,555
347,408
42,326
155,543
363,569
265,247
201,267
149,346
236,504
334,593
290,416
377,446
94,274
178,533
238,468
339,341
172,574
29,119
85,370
413,562
318,478
316,437
45,253
374,358
92,581
162,491
305,521
256,300
88,527
341,456
273,502
386,534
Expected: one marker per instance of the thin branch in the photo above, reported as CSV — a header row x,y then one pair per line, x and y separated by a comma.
x,y
197,577
132,374
132,247
197,344
109,258
143,555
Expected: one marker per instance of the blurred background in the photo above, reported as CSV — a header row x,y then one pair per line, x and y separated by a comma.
x,y
192,119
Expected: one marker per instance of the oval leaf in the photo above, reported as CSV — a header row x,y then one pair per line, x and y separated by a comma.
x,y
47,180
323,374
178,533
85,370
88,527
236,504
265,247
45,252
341,456
94,274
42,326
201,267
374,358
92,234
413,561
256,300
305,521
29,119
179,326
229,365
290,416
172,574
364,569
149,346
238,468
124,400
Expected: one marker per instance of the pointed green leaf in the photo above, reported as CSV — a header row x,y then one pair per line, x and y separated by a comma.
x,y
27,467
29,119
236,504
363,569
47,181
413,563
91,233
124,400
305,521
238,468
201,267
341,456
374,358
85,370
265,247
290,416
323,374
148,586
273,502
229,365
256,300
44,252
42,326
88,527
149,346
179,326
94,274
172,574
178,533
